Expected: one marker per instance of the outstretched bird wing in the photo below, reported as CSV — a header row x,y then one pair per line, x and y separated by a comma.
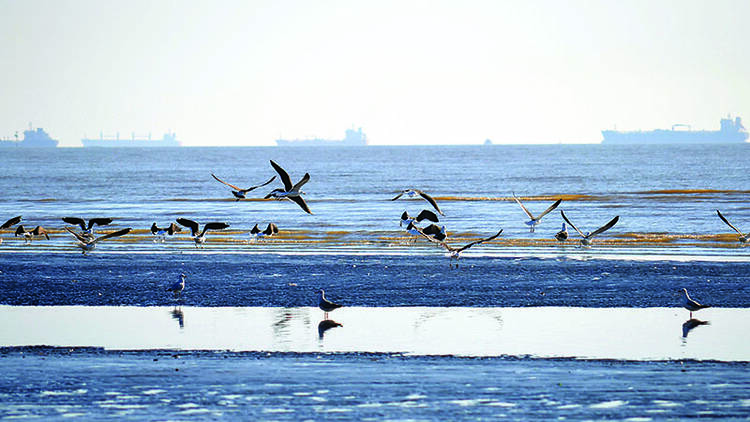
x,y
283,175
302,181
20,230
75,221
192,225
728,223
479,241
99,222
228,184
548,210
258,186
427,215
429,199
39,231
214,226
78,236
12,222
571,224
113,234
301,202
605,227
528,213
399,195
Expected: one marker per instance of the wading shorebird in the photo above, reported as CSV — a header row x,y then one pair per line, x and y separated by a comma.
x,y
538,219
87,230
423,215
200,237
87,243
290,191
239,193
28,236
562,235
10,223
586,238
413,192
326,305
455,253
160,233
744,237
690,304
178,286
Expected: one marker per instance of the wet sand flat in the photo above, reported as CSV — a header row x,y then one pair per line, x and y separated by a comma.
x,y
544,332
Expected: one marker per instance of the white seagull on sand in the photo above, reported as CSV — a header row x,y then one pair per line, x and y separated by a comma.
x,y
536,220
586,238
690,304
290,191
744,237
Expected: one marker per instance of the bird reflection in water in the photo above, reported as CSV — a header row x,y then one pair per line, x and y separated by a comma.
x,y
326,325
690,324
178,315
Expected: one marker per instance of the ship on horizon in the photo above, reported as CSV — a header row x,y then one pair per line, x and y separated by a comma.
x,y
32,138
352,138
168,140
731,132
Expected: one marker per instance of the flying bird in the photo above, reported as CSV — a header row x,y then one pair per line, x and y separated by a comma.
x,y
744,237
160,233
290,191
270,230
412,192
456,252
562,235
178,286
326,305
435,231
535,220
239,193
423,215
28,236
690,304
10,223
586,238
87,230
200,237
87,243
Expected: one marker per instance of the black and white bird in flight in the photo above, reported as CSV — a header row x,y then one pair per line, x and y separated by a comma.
x,y
87,242
534,220
270,230
28,236
586,238
199,237
743,237
87,230
240,193
290,191
160,233
423,215
413,192
455,253
10,223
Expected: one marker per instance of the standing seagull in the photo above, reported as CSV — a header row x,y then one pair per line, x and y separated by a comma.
x,y
28,236
536,220
455,252
326,305
87,244
87,231
586,238
239,193
290,191
691,305
412,192
562,235
178,286
744,238
10,223
200,238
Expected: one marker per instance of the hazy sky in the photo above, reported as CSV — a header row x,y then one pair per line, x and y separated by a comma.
x,y
407,72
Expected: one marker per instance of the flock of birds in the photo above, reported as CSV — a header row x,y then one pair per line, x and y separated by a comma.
x,y
87,239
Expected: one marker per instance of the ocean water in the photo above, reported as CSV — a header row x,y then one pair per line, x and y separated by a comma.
x,y
524,328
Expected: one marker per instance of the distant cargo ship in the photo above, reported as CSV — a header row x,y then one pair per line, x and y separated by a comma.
x,y
731,132
33,138
352,138
168,140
